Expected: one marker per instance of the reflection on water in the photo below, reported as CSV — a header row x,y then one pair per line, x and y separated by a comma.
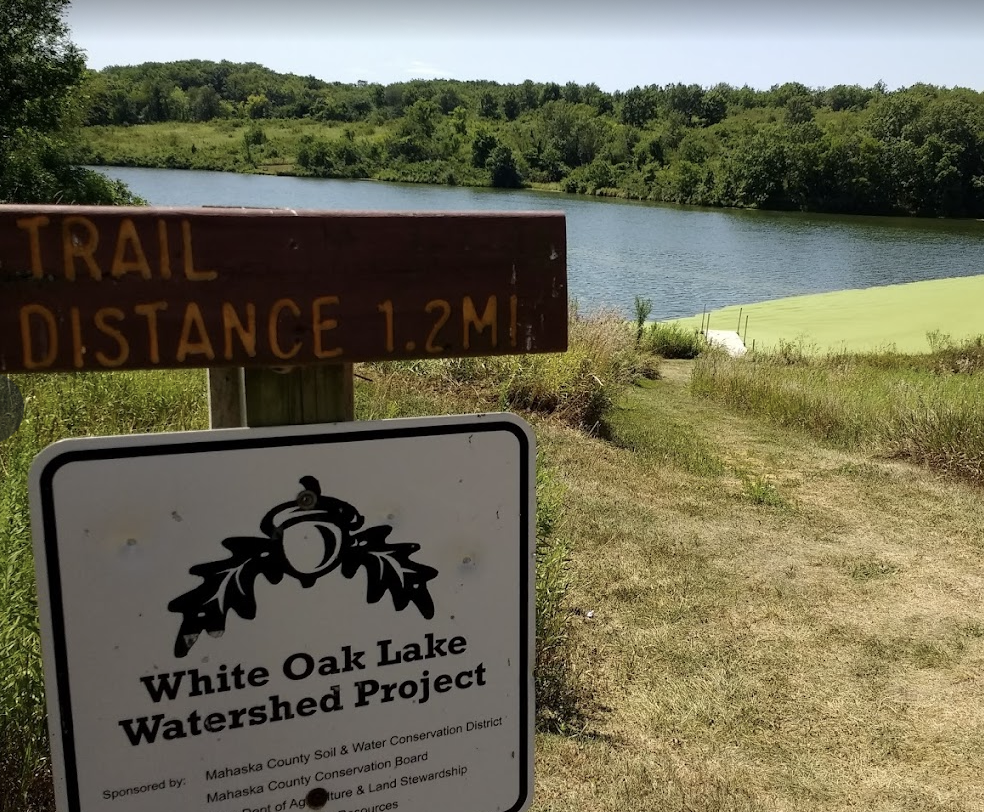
x,y
684,259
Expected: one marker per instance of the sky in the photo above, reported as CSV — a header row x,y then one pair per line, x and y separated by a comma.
x,y
616,44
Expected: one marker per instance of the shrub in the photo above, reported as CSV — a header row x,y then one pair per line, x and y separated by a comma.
x,y
578,386
503,172
672,341
643,309
253,136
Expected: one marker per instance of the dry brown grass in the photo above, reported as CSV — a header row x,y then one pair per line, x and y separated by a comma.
x,y
817,651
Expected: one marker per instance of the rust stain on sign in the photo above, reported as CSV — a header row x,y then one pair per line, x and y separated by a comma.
x,y
138,288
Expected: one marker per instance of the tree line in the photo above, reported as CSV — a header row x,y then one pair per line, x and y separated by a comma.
x,y
913,151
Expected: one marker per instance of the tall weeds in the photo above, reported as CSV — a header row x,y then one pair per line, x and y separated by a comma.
x,y
59,406
559,691
669,340
926,408
943,430
577,387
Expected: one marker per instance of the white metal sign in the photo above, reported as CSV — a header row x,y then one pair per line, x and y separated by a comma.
x,y
332,617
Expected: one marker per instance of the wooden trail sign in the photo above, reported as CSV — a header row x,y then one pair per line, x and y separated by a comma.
x,y
85,288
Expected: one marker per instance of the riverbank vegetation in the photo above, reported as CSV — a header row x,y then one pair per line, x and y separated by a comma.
x,y
924,408
851,149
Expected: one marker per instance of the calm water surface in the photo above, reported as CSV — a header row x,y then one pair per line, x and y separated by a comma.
x,y
684,259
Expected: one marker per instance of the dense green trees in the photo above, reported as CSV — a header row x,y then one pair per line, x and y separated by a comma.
x,y
40,71
847,148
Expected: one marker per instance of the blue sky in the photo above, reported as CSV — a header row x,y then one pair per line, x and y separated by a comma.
x,y
617,44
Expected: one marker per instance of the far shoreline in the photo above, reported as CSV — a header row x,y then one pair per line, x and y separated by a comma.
x,y
286,170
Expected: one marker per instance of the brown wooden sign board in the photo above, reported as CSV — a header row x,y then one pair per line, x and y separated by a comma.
x,y
84,288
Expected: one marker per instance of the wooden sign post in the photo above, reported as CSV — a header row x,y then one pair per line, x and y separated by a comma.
x,y
101,288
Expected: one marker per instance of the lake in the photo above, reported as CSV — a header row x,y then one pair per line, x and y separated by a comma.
x,y
683,259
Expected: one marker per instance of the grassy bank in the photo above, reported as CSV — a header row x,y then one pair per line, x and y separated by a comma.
x,y
223,145
275,146
925,408
891,316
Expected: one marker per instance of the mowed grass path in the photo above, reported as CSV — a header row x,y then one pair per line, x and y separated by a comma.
x,y
861,320
776,625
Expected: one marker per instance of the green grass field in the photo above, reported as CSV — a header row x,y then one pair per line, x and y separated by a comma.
x,y
860,320
217,145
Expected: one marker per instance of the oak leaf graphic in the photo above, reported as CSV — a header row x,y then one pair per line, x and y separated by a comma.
x,y
228,585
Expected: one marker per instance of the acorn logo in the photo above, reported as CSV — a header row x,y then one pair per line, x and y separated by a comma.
x,y
307,539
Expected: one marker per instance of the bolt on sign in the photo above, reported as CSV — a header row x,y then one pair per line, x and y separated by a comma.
x,y
335,616
86,288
